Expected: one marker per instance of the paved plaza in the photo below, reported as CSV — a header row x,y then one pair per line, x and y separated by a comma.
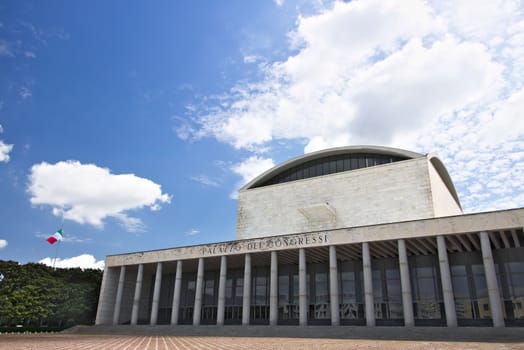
x,y
161,342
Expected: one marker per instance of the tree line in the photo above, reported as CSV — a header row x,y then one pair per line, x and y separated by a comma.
x,y
36,295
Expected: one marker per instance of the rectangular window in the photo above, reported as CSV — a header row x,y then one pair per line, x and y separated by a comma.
x,y
354,163
361,162
325,168
332,166
239,290
283,289
340,165
209,292
229,289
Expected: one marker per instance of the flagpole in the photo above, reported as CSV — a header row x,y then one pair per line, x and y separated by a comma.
x,y
56,255
56,251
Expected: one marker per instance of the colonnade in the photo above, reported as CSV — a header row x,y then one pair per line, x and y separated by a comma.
x,y
110,302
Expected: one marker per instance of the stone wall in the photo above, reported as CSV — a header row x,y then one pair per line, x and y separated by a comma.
x,y
385,193
443,202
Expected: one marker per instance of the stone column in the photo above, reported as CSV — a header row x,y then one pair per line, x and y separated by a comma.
x,y
105,304
495,304
156,294
273,290
197,310
119,292
136,297
447,287
246,305
302,287
175,308
222,290
405,284
368,286
333,286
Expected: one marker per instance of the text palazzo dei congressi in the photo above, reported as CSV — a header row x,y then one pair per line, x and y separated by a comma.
x,y
264,244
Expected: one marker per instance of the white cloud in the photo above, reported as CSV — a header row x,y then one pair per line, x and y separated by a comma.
x,y
88,194
479,20
3,243
205,180
5,50
507,122
442,76
4,151
310,96
252,167
249,169
29,54
84,261
192,232
25,93
251,58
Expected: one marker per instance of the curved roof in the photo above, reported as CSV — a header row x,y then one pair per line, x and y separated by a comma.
x,y
444,175
262,179
387,151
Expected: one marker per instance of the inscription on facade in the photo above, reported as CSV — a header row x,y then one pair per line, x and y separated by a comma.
x,y
272,243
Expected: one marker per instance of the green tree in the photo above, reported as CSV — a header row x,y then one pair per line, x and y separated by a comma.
x,y
35,294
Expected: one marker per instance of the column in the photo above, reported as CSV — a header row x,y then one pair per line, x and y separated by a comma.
x,y
495,304
119,292
333,286
405,284
136,297
246,305
175,309
368,286
447,287
273,290
222,290
105,304
156,294
197,310
302,287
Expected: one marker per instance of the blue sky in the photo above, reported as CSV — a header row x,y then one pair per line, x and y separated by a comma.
x,y
134,123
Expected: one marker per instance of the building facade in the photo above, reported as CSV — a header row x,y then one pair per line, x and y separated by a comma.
x,y
347,236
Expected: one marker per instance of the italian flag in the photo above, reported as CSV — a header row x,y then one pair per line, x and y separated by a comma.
x,y
56,237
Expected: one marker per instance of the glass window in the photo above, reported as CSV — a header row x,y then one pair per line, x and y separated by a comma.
x,y
354,163
377,285
347,164
283,289
361,162
229,288
460,285
394,289
306,173
425,287
325,168
300,174
295,289
340,165
330,165
239,290
209,292
321,288
313,170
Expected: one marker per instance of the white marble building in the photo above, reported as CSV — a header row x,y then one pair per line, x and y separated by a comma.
x,y
346,236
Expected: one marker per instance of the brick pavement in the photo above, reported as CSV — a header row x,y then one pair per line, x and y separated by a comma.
x,y
159,342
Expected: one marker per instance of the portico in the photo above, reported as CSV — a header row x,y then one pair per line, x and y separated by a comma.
x,y
458,270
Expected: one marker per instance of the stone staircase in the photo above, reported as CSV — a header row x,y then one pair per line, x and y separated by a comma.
x,y
466,334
